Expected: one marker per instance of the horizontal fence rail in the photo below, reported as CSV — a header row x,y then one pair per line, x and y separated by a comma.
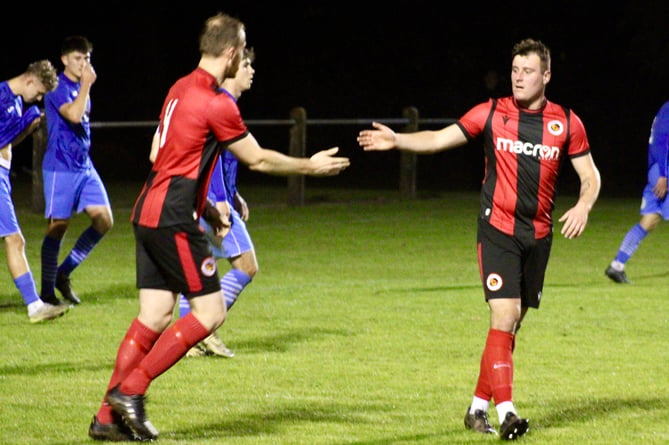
x,y
298,123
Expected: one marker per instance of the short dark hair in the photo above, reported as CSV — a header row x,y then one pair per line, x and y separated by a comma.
x,y
76,43
527,46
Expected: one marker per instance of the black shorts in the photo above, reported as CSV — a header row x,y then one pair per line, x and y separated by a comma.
x,y
176,258
512,267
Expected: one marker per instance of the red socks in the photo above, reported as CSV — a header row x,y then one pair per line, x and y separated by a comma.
x,y
496,372
136,344
173,344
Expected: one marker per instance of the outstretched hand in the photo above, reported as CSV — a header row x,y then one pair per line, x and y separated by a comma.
x,y
382,138
324,163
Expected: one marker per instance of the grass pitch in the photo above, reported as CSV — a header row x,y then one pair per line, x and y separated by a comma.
x,y
364,325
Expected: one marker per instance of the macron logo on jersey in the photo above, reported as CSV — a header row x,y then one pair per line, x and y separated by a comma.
x,y
540,151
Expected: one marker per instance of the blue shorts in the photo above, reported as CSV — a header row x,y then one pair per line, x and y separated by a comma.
x,y
68,192
9,225
236,242
651,203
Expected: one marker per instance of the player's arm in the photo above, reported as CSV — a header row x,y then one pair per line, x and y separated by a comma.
x,y
269,161
241,206
576,218
423,142
155,146
16,130
74,111
660,144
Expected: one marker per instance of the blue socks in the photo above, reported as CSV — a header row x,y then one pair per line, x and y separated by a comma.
x,y
232,284
26,286
630,243
87,240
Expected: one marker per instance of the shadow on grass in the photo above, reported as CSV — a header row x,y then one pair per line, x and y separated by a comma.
x,y
404,290
273,420
277,343
603,280
54,368
284,342
579,410
270,422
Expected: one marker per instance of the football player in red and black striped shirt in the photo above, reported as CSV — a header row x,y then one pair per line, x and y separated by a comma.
x,y
173,255
525,139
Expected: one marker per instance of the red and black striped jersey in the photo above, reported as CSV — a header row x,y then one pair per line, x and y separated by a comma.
x,y
523,152
196,123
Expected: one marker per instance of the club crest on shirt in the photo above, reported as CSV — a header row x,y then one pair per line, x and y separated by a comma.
x,y
208,266
555,128
493,282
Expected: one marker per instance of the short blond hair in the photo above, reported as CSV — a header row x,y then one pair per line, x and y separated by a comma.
x,y
45,72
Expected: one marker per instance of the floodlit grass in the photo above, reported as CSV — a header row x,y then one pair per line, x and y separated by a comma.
x,y
365,325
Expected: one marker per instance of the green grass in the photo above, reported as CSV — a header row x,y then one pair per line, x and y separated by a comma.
x,y
365,325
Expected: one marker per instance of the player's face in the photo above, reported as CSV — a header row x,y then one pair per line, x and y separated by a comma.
x,y
74,64
244,77
528,82
35,91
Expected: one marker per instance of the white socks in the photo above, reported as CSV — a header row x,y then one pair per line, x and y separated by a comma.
x,y
34,307
504,408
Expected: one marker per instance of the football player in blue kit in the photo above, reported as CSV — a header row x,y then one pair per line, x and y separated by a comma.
x,y
654,202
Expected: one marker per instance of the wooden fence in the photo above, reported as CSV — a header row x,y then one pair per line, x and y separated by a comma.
x,y
298,125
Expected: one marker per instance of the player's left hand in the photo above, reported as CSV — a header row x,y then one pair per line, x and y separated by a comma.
x,y
660,187
218,221
575,220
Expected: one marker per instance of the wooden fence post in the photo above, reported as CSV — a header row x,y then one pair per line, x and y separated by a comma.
x,y
297,148
408,160
39,147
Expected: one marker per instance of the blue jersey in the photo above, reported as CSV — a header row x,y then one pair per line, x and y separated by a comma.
x,y
12,118
223,184
68,145
658,146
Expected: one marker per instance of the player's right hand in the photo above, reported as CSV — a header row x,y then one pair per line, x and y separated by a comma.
x,y
325,164
381,138
88,74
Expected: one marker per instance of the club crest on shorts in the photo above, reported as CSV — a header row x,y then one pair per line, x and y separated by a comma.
x,y
493,282
208,266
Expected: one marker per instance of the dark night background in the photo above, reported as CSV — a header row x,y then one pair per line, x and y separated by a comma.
x,y
368,60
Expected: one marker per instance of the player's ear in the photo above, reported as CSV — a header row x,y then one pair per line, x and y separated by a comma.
x,y
547,77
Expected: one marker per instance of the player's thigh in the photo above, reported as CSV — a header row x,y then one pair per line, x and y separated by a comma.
x,y
500,263
93,192
61,190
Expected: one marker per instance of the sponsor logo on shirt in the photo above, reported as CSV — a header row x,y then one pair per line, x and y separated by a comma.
x,y
539,151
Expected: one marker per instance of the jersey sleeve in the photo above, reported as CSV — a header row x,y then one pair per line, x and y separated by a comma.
x,y
225,119
217,191
472,123
659,140
57,98
11,125
578,138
